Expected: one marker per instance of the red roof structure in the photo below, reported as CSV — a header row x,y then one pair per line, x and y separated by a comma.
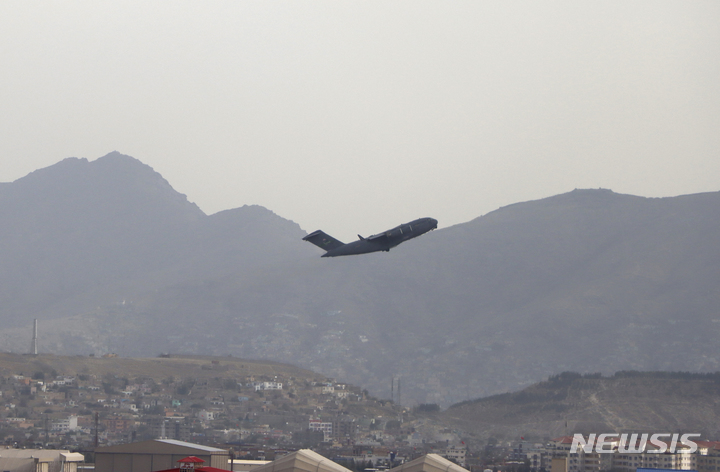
x,y
198,469
192,463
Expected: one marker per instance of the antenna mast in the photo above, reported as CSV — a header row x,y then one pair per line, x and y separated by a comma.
x,y
399,398
33,346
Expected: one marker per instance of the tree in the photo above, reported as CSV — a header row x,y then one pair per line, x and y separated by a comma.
x,y
427,408
308,438
109,389
392,424
155,410
185,388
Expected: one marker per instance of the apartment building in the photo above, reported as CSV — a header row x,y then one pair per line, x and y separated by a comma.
x,y
456,454
559,457
325,427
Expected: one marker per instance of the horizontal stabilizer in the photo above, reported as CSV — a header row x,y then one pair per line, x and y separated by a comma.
x,y
323,241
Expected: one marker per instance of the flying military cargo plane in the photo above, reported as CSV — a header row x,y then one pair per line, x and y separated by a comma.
x,y
378,242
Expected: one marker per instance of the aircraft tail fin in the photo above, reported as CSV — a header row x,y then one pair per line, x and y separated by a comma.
x,y
323,241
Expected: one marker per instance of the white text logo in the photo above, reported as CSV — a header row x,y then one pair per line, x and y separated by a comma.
x,y
633,443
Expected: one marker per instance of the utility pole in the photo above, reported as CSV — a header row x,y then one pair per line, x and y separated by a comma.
x,y
399,398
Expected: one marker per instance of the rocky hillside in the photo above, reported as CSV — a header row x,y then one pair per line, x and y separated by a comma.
x,y
572,403
110,258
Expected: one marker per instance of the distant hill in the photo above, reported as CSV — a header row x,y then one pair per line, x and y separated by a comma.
x,y
110,258
157,368
81,233
568,403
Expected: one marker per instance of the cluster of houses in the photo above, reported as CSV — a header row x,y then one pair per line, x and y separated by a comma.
x,y
74,409
276,414
79,412
566,454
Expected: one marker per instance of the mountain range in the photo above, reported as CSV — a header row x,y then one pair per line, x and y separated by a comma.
x,y
110,258
570,403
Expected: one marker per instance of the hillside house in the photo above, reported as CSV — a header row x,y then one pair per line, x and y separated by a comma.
x,y
206,415
456,454
262,386
324,427
63,426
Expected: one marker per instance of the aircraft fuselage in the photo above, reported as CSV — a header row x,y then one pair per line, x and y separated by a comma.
x,y
378,242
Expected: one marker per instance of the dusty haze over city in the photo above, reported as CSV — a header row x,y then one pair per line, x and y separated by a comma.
x,y
356,116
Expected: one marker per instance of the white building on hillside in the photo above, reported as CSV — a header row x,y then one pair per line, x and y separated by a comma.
x,y
456,454
63,426
268,386
325,428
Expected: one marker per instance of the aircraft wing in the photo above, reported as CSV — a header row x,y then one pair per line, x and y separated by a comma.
x,y
378,238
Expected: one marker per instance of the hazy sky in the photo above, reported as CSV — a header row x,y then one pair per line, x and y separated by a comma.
x,y
356,116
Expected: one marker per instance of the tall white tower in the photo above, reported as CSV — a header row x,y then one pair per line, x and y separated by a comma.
x,y
33,347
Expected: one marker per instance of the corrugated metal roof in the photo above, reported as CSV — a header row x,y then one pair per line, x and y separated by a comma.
x,y
303,460
175,442
18,464
42,454
73,457
162,446
429,463
23,460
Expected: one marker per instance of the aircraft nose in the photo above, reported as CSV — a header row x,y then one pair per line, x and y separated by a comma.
x,y
433,223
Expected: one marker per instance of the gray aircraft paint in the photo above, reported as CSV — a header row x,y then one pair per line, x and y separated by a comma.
x,y
378,242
